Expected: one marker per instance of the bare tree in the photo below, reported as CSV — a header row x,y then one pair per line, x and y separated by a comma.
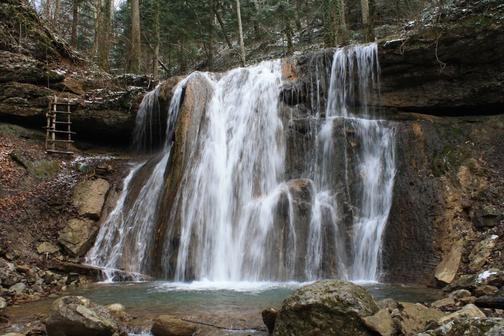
x,y
366,20
240,29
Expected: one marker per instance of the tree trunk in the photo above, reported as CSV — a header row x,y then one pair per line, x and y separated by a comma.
x,y
155,60
75,22
47,10
134,57
366,20
240,29
57,8
104,32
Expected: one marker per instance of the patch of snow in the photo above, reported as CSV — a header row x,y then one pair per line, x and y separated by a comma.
x,y
484,275
493,237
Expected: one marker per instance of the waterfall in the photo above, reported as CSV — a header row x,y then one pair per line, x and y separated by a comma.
x,y
238,213
354,78
127,235
229,194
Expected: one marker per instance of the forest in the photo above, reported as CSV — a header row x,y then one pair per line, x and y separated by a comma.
x,y
164,38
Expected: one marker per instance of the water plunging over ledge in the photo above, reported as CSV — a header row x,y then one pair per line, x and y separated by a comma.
x,y
235,216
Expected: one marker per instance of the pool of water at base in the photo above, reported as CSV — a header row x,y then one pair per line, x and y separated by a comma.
x,y
216,308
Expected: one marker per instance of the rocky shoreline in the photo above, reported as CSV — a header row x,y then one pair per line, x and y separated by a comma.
x,y
326,307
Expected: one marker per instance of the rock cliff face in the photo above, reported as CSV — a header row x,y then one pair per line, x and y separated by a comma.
x,y
35,65
448,173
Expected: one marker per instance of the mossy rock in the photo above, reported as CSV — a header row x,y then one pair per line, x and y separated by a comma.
x,y
327,307
41,169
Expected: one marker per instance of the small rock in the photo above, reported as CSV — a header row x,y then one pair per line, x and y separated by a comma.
x,y
415,317
3,303
388,303
485,290
269,317
116,308
469,327
444,304
495,302
166,325
467,311
381,322
481,252
47,248
18,288
460,294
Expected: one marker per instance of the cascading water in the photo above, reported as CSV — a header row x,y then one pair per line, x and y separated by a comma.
x,y
228,198
237,214
127,234
371,166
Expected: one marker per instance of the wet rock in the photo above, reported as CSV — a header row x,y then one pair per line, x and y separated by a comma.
x,y
469,326
381,322
166,325
481,252
486,290
89,197
47,248
78,236
13,334
445,272
269,317
494,302
78,316
415,317
328,307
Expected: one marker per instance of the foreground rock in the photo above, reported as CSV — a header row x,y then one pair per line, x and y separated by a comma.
x,y
469,326
166,325
328,307
78,316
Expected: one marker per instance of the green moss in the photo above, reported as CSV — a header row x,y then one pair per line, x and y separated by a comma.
x,y
43,169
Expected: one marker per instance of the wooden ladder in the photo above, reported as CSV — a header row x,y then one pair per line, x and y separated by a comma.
x,y
54,143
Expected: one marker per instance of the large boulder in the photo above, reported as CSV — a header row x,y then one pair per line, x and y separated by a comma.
x,y
78,236
327,307
166,325
89,197
78,316
445,272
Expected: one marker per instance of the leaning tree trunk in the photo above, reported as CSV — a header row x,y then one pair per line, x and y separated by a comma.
x,y
240,29
134,57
